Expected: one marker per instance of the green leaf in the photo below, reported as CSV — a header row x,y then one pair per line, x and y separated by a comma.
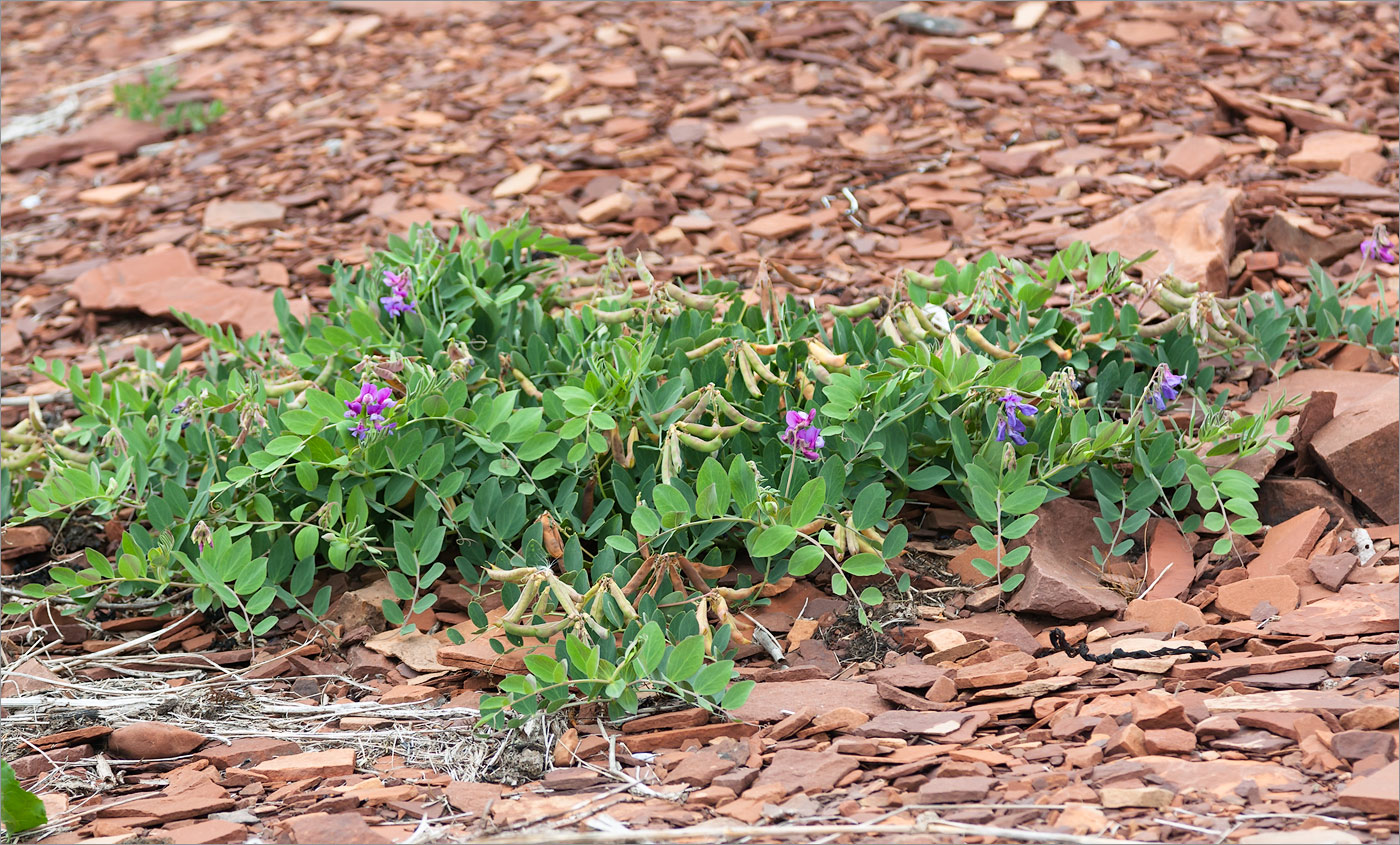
x,y
1222,546
863,564
1214,521
645,521
685,659
669,500
285,445
1013,582
20,809
1015,556
872,596
542,666
869,506
304,544
804,560
1246,526
736,695
622,544
767,541
1024,500
307,476
1019,527
712,679
808,503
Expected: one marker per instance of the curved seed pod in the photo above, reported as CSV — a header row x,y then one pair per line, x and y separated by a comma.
x,y
702,618
735,415
859,309
668,467
628,612
922,281
697,444
764,348
1157,329
553,542
730,594
812,527
1230,325
819,372
510,576
910,328
709,432
673,573
685,401
688,567
526,386
805,387
1060,352
986,345
615,317
887,326
543,632
709,572
746,373
527,597
698,301
677,460
701,406
760,369
927,324
706,348
816,349
724,617
635,582
542,603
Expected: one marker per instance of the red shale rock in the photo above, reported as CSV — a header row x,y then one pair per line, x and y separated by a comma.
x,y
158,281
152,741
1360,449
1058,584
109,134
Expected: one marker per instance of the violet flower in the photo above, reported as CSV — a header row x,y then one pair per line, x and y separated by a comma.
x,y
1009,424
400,289
1379,248
369,407
804,437
1167,388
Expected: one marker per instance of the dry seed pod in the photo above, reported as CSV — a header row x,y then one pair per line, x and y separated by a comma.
x,y
816,349
706,348
553,542
760,369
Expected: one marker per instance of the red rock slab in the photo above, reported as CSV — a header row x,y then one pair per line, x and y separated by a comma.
x,y
681,737
156,282
1239,600
77,736
247,751
1238,665
1289,540
1192,228
1285,701
170,808
309,764
903,724
472,797
20,540
806,771
1376,794
339,828
1219,778
210,832
1170,565
152,741
1357,609
1352,389
1360,449
1164,615
116,134
687,718
768,701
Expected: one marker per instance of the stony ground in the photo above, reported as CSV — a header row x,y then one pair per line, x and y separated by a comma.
x,y
842,142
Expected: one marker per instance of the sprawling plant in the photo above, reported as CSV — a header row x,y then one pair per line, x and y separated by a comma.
x,y
631,462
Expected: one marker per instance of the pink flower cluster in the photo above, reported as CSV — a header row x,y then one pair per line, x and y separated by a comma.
x,y
369,407
401,288
802,435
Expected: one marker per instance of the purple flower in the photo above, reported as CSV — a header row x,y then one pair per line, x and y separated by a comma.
x,y
369,407
1168,387
802,435
1009,424
400,290
1379,248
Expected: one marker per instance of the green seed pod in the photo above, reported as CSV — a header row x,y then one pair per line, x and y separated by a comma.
x,y
856,311
697,443
615,317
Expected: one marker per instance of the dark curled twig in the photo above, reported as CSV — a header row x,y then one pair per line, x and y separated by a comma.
x,y
1059,643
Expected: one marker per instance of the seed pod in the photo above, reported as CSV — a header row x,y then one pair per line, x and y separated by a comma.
x,y
746,372
526,386
699,302
817,350
764,348
509,576
887,326
859,309
543,631
639,577
709,432
628,612
910,328
760,369
615,317
819,372
706,348
553,542
697,444
734,414
527,596
986,345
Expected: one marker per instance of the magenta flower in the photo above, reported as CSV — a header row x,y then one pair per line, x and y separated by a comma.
x,y
1379,247
369,407
802,435
400,289
1168,387
1009,424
